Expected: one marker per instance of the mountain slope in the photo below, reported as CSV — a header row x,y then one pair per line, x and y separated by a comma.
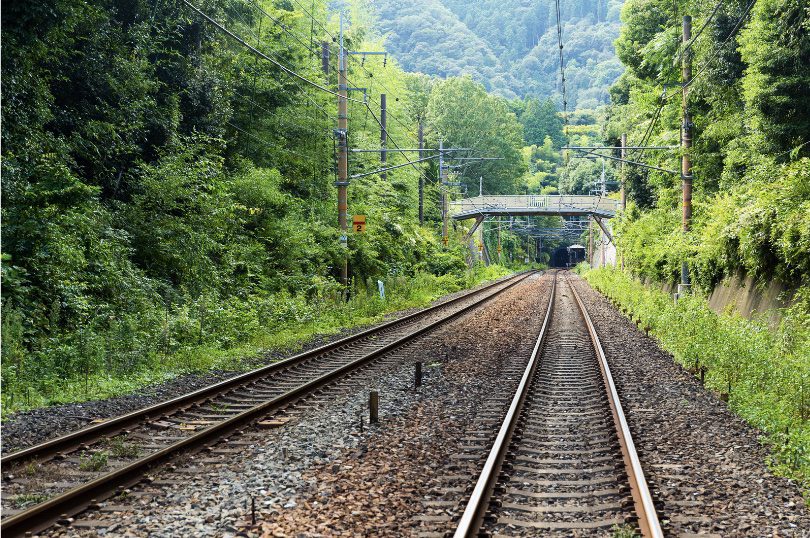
x,y
509,45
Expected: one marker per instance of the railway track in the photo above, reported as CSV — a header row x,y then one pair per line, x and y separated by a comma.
x,y
74,472
563,462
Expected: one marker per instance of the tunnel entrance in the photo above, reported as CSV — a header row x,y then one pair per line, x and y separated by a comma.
x,y
567,256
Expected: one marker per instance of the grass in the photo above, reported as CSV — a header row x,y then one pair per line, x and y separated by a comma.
x,y
763,372
120,449
24,500
94,462
302,321
623,531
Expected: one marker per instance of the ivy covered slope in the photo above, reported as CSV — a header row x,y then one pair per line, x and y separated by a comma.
x,y
169,199
751,159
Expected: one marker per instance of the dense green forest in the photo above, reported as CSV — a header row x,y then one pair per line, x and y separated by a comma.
x,y
509,46
168,188
748,100
751,159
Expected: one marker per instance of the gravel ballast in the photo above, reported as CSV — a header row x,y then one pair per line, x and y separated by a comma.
x,y
26,428
705,466
284,470
323,474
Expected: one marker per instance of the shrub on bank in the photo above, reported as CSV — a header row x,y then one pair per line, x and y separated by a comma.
x,y
764,373
103,361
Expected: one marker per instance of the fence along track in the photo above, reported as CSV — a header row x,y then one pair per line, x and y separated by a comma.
x,y
227,407
563,461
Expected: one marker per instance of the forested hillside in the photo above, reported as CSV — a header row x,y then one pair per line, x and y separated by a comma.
x,y
509,46
751,161
168,186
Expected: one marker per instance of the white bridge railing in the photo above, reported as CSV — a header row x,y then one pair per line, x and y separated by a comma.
x,y
549,202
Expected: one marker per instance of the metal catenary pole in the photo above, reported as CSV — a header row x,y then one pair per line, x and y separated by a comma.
x,y
443,189
421,176
343,159
383,135
686,143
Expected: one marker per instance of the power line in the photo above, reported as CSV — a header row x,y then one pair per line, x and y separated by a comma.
x,y
562,68
285,28
408,161
692,41
717,48
259,39
263,55
266,142
311,16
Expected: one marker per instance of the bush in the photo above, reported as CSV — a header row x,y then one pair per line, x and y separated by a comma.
x,y
765,373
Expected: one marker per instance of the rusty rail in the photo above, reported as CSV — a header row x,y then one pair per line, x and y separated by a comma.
x,y
471,521
73,501
75,440
473,516
645,509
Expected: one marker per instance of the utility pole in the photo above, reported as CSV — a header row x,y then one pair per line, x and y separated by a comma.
x,y
686,145
499,243
343,160
421,176
624,179
590,240
383,135
443,189
480,185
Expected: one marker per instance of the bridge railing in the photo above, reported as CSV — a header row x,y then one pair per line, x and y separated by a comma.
x,y
549,202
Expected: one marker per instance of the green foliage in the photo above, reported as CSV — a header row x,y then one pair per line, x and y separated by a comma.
x,y
462,112
776,85
752,134
509,46
759,228
168,195
764,372
541,121
95,462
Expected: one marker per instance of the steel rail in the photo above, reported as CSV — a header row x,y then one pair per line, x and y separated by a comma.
x,y
78,499
473,516
645,509
75,440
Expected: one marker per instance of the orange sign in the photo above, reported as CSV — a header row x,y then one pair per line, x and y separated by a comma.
x,y
359,224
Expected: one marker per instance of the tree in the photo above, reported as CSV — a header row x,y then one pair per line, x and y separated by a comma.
x,y
776,85
466,116
541,120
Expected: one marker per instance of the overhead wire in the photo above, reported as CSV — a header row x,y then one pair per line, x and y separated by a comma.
x,y
694,38
717,48
306,95
562,68
278,64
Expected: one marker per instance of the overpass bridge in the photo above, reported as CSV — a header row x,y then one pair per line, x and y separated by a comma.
x,y
482,207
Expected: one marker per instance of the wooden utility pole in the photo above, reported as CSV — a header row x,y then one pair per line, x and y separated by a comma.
x,y
624,180
383,135
624,177
686,142
343,160
421,176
